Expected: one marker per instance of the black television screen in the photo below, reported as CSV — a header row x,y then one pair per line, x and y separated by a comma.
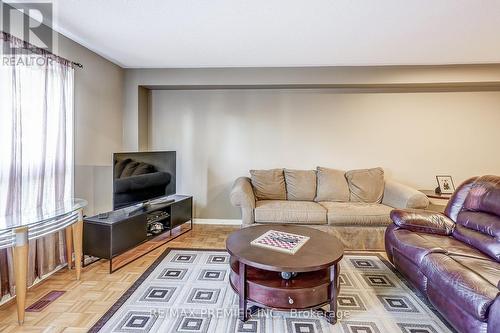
x,y
142,176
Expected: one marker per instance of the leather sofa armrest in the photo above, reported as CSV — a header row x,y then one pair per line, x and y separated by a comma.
x,y
242,196
401,196
420,220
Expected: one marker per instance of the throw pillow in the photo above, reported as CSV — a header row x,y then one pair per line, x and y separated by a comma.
x,y
300,185
268,184
332,185
366,185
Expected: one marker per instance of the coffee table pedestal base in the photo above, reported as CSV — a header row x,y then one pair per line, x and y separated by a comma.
x,y
267,289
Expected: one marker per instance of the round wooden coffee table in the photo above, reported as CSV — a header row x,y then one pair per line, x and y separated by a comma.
x,y
255,271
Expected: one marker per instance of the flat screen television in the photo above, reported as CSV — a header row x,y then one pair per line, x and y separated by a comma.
x,y
142,176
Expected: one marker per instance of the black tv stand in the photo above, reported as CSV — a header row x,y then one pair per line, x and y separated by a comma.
x,y
121,236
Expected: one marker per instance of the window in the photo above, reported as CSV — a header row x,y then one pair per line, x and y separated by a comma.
x,y
36,130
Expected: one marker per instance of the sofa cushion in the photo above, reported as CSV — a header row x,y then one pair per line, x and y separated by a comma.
x,y
268,184
485,223
366,185
458,197
416,245
332,185
280,211
357,213
484,195
483,242
300,185
467,289
487,269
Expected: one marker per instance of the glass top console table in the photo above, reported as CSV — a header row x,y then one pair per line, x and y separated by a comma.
x,y
18,229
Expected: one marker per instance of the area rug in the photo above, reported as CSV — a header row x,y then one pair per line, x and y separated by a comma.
x,y
187,290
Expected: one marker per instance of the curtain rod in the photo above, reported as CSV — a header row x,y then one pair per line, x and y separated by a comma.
x,y
33,48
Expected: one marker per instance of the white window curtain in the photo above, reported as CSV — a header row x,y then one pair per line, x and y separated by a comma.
x,y
36,147
36,132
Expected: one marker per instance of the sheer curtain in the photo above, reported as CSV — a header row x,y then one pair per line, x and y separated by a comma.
x,y
36,145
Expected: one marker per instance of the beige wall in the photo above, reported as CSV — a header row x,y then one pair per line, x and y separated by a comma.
x,y
221,134
98,123
464,77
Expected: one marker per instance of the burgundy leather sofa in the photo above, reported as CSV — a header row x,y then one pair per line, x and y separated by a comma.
x,y
454,258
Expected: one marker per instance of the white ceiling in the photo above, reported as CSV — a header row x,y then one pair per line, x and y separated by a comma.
x,y
282,33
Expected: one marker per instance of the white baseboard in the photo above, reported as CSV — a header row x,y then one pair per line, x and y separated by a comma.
x,y
218,221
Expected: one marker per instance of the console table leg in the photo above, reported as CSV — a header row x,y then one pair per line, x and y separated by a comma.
x,y
77,228
334,272
20,257
243,292
69,246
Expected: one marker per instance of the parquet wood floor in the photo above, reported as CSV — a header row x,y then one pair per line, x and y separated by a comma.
x,y
85,301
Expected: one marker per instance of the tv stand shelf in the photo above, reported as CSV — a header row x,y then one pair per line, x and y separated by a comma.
x,y
122,236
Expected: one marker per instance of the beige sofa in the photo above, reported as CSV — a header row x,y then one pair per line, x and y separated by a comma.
x,y
354,206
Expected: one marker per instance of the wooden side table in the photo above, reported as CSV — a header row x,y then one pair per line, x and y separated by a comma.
x,y
438,202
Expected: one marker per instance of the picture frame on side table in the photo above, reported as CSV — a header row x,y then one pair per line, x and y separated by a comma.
x,y
445,184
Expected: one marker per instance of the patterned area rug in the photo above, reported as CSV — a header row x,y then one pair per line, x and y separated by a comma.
x,y
188,291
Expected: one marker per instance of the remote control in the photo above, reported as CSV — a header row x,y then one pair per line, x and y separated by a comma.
x,y
103,215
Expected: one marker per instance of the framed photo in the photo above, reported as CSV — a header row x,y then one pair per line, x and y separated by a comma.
x,y
445,184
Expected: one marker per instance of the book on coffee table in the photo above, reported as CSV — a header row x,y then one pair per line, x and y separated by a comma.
x,y
280,241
